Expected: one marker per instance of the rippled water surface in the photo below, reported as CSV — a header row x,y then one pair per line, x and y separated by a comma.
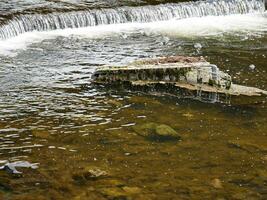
x,y
84,141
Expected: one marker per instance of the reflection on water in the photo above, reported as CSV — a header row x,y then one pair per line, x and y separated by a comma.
x,y
94,143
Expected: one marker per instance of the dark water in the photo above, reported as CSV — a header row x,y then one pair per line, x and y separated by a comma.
x,y
85,139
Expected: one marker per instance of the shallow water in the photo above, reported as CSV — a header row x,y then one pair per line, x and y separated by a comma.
x,y
84,139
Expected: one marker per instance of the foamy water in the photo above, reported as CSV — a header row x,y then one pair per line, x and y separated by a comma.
x,y
210,26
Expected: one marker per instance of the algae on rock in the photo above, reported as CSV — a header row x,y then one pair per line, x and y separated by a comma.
x,y
157,131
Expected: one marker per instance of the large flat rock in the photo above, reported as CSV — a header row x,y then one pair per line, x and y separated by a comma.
x,y
180,73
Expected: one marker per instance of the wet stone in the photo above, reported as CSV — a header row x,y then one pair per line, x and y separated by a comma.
x,y
157,132
216,183
12,167
145,130
166,131
89,174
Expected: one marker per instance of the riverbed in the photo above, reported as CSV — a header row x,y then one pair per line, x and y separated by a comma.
x,y
85,139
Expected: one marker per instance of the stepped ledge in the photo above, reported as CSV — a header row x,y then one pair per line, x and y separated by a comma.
x,y
177,73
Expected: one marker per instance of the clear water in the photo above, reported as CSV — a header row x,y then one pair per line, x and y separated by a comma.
x,y
52,115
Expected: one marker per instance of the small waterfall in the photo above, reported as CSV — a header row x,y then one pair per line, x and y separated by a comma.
x,y
37,22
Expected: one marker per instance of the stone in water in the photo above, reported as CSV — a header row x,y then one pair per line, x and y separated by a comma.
x,y
252,67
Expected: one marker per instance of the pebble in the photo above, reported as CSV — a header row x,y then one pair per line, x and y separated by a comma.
x,y
252,67
216,183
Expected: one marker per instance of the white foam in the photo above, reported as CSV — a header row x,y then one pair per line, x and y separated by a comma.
x,y
211,26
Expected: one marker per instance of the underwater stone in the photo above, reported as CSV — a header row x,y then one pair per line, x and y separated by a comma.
x,y
155,131
88,174
166,131
216,183
252,67
145,129
12,167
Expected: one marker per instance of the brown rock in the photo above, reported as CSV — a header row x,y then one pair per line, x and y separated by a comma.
x,y
216,183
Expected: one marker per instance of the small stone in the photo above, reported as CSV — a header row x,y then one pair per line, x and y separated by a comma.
x,y
216,183
89,174
12,167
252,67
94,173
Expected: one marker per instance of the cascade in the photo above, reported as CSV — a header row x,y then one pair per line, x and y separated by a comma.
x,y
44,22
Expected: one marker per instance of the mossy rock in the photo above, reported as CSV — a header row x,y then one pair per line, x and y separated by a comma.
x,y
157,132
145,130
166,131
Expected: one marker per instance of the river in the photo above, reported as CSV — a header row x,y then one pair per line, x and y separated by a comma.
x,y
83,140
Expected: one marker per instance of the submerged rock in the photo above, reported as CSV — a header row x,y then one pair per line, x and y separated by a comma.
x,y
157,132
252,67
12,167
166,131
216,183
88,174
146,129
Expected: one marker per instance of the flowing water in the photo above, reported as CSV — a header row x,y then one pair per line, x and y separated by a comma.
x,y
73,140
